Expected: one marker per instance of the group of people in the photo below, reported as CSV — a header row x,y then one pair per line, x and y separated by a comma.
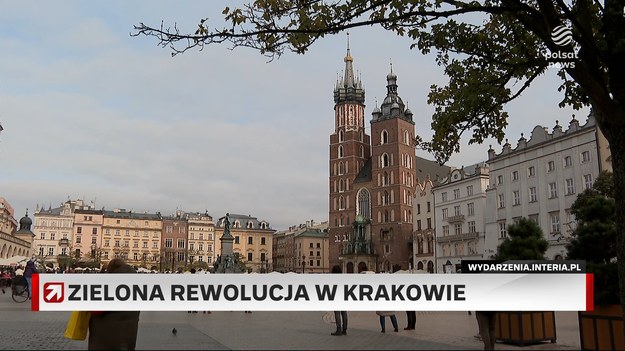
x,y
20,276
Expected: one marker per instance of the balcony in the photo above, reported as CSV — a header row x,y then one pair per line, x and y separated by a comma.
x,y
64,242
457,237
454,219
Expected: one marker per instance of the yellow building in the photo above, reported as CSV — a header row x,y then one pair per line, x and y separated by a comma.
x,y
135,237
252,241
202,248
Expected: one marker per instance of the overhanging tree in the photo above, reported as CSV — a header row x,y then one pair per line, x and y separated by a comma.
x,y
525,241
489,63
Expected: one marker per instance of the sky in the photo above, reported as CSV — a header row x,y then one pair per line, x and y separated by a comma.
x,y
91,113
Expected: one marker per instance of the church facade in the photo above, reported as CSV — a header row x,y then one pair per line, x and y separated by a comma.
x,y
372,179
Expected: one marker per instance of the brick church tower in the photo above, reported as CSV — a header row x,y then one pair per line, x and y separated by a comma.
x,y
371,179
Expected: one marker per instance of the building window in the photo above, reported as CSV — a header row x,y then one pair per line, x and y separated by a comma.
x,y
169,243
418,224
79,230
445,230
445,214
533,194
553,190
515,175
531,171
470,190
180,256
551,166
503,232
587,181
443,196
502,201
457,211
554,219
78,239
384,137
458,228
340,151
470,209
499,179
43,236
418,209
52,236
236,239
568,161
516,197
181,243
429,207
456,194
262,240
585,156
534,218
250,240
429,220
570,186
94,231
471,225
249,256
94,240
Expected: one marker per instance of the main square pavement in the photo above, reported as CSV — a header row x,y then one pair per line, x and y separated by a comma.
x,y
22,329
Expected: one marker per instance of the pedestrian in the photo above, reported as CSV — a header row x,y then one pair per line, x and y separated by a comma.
x,y
114,330
28,274
411,317
486,325
383,315
339,316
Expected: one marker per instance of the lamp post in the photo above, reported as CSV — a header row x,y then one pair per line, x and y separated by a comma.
x,y
303,264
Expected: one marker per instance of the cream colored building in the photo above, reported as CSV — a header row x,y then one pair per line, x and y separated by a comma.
x,y
202,244
53,230
252,241
133,236
302,247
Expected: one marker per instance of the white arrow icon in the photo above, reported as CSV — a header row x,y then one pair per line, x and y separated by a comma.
x,y
54,291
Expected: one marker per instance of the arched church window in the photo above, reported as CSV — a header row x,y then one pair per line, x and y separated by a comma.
x,y
384,137
341,136
364,203
340,168
362,151
385,181
340,151
361,137
385,161
406,137
341,203
341,185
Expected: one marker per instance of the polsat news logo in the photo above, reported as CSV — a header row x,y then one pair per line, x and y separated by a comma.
x,y
53,292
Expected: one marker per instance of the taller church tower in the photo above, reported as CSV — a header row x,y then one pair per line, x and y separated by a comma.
x,y
349,150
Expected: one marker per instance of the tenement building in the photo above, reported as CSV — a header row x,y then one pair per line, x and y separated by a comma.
x,y
540,179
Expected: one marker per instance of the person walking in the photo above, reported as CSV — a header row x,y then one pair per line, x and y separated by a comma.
x,y
114,330
486,325
383,315
339,316
411,318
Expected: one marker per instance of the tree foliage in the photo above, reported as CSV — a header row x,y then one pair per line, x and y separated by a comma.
x,y
491,51
594,239
525,242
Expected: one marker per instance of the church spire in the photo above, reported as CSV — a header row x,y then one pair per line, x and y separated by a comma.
x,y
349,87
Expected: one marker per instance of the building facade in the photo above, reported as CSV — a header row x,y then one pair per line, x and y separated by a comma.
x,y
459,210
86,241
540,179
10,244
252,241
135,237
202,245
54,243
302,248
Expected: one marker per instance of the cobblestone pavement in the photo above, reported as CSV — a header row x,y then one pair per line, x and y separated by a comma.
x,y
23,329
